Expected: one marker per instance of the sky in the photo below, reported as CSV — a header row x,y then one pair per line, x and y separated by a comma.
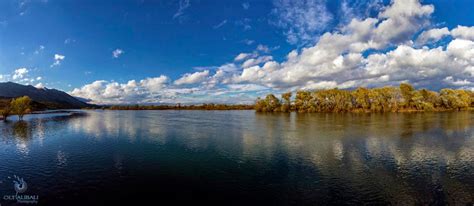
x,y
203,51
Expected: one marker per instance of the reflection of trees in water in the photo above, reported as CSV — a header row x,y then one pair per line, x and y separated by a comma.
x,y
29,129
402,155
21,130
38,127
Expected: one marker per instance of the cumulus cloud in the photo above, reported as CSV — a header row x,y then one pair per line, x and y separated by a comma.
x,y
457,82
193,78
256,61
390,48
116,53
463,32
337,58
155,84
158,90
242,56
20,73
432,35
58,58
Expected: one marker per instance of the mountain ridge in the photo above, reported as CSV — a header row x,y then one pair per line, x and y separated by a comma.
x,y
49,98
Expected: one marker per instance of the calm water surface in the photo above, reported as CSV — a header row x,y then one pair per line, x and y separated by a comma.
x,y
240,157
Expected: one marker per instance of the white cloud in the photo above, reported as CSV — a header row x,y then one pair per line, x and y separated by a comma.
x,y
157,90
350,9
463,32
117,52
255,54
259,60
246,87
459,82
58,58
302,20
432,35
20,73
263,48
220,24
155,84
248,41
244,23
242,56
193,78
183,5
39,50
39,85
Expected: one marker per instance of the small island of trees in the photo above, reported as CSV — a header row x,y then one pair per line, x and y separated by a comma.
x,y
386,99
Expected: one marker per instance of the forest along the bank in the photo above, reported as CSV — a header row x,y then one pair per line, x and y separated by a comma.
x,y
386,99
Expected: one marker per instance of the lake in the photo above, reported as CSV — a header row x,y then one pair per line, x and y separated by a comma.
x,y
239,158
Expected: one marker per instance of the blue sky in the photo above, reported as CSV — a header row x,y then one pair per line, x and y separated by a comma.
x,y
143,51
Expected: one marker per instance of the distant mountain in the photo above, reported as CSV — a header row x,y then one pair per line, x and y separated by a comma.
x,y
43,98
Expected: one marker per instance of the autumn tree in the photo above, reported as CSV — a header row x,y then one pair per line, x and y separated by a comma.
x,y
273,104
407,94
269,104
6,112
286,106
384,99
21,106
361,98
302,101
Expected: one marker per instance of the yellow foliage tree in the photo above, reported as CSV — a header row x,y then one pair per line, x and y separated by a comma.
x,y
21,106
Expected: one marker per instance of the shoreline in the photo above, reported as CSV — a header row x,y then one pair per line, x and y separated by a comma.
x,y
295,111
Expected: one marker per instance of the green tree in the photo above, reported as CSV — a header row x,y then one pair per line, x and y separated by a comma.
x,y
21,106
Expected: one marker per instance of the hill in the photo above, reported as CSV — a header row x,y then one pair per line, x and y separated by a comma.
x,y
43,98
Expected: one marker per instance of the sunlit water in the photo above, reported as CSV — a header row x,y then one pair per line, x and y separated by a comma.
x,y
240,157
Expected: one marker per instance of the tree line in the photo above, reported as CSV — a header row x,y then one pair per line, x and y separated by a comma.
x,y
19,106
384,99
182,107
